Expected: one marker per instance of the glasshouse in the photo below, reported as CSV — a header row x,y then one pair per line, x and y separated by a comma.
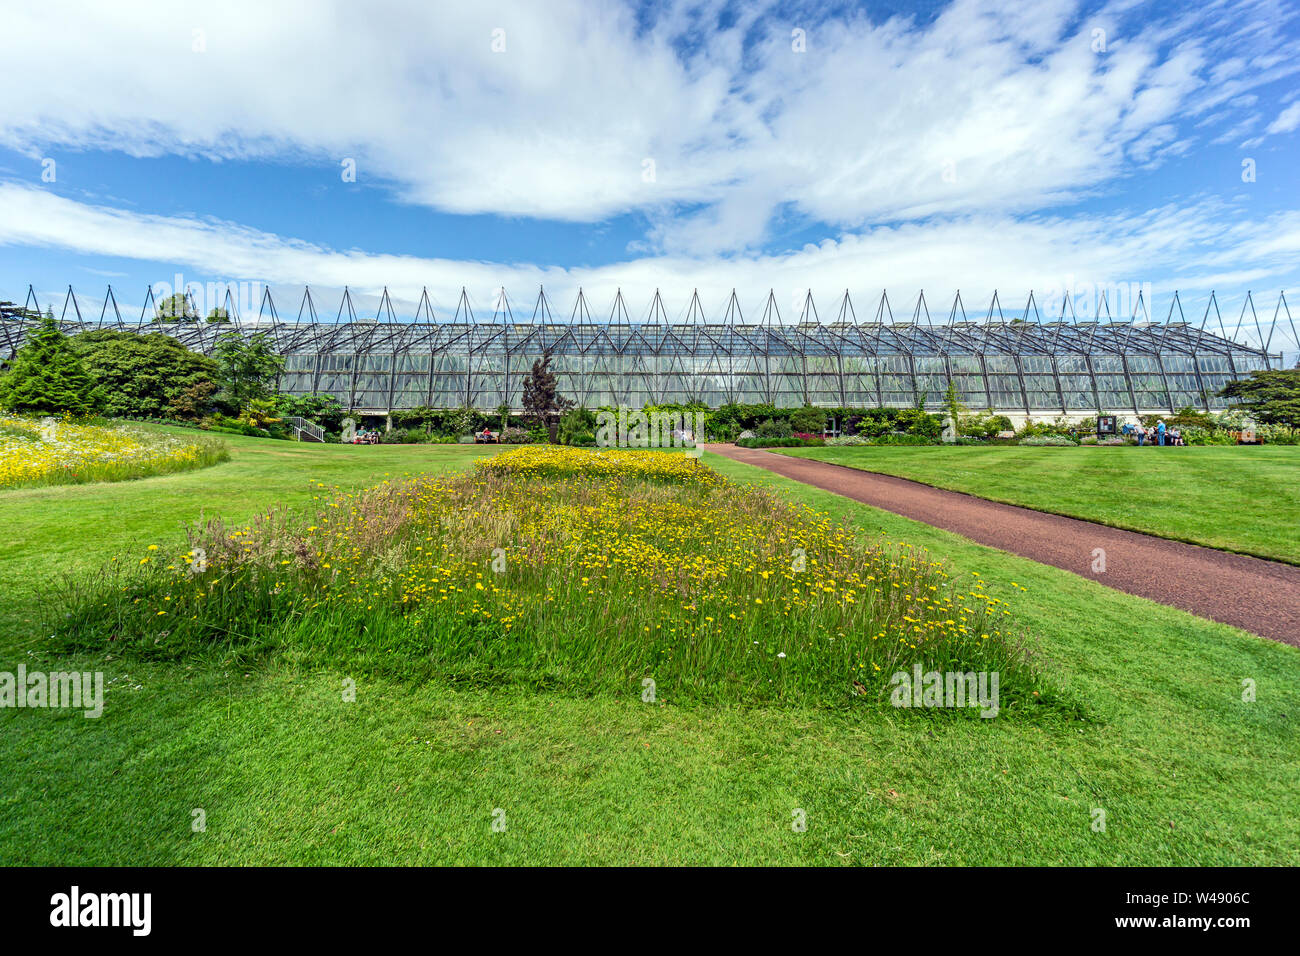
x,y
1025,364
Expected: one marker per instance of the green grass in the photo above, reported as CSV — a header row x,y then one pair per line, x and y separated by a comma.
x,y
411,772
49,532
1244,499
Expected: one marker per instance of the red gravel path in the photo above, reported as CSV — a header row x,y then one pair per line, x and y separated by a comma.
x,y
1259,596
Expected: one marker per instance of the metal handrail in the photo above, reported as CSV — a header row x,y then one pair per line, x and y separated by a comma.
x,y
303,427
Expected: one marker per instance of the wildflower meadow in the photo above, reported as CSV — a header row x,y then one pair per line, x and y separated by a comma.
x,y
61,451
580,569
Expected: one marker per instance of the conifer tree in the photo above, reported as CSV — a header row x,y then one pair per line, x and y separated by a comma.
x,y
46,376
542,400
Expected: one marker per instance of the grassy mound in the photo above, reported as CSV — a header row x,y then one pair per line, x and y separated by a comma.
x,y
568,568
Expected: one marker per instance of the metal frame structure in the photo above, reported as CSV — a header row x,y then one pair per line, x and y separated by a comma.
x,y
1018,365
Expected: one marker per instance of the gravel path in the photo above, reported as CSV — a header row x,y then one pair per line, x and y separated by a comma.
x,y
1259,596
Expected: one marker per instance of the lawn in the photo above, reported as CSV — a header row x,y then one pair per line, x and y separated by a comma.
x,y
1244,499
47,532
418,771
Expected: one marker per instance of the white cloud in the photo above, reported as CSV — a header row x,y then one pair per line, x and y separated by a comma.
x,y
1287,120
1191,248
1006,94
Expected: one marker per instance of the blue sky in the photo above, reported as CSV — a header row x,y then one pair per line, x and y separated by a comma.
x,y
1045,144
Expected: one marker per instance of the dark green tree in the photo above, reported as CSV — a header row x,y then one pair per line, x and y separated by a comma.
x,y
542,400
1272,397
247,367
219,317
193,401
175,308
150,375
47,376
810,420
324,410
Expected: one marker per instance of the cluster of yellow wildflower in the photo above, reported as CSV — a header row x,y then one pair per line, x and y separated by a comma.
x,y
552,461
691,570
59,451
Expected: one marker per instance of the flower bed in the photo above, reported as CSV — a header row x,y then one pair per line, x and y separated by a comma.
x,y
589,570
52,451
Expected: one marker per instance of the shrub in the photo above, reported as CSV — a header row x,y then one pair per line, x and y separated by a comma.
x,y
451,422
405,436
876,422
1230,420
987,425
1277,435
324,410
575,424
726,431
848,440
1195,435
896,439
790,441
914,421
809,419
774,428
1059,428
732,419
1049,441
